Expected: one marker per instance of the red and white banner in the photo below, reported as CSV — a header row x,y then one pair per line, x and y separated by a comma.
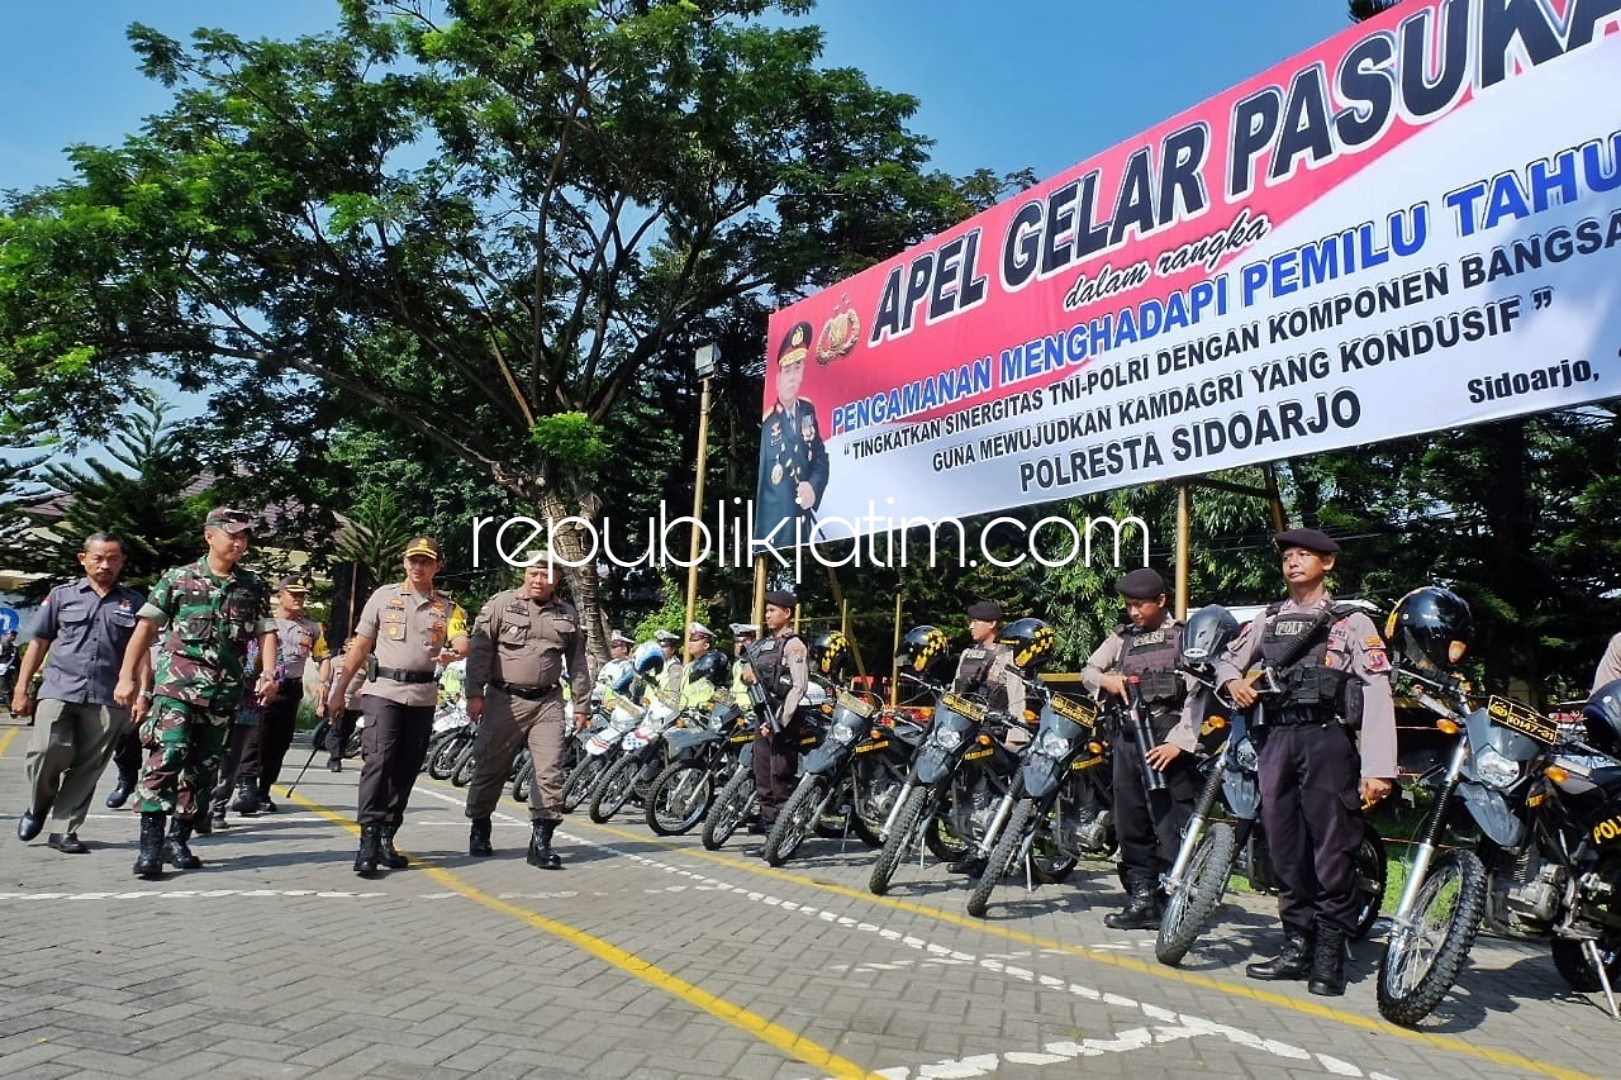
x,y
1414,226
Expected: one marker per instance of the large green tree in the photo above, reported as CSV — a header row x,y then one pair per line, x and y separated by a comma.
x,y
485,220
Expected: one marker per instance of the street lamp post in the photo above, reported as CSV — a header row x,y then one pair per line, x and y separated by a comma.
x,y
704,361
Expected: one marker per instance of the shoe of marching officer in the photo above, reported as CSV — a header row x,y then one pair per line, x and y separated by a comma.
x,y
540,846
1142,910
478,838
217,820
67,843
175,851
246,802
30,824
265,805
1294,962
371,839
202,824
334,764
1328,963
386,852
119,795
149,863
972,864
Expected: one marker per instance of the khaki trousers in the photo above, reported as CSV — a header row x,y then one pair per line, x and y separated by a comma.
x,y
508,723
67,752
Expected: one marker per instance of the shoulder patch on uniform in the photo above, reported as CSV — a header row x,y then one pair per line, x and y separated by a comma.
x,y
1374,643
1378,662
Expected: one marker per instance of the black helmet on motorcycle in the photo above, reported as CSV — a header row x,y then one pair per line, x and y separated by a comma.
x,y
923,647
830,655
1430,628
1602,714
649,660
1206,636
1031,641
713,666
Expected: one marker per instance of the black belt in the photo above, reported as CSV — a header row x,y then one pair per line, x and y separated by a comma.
x,y
401,675
1299,716
531,693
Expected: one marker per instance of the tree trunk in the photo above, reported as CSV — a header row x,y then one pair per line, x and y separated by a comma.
x,y
571,544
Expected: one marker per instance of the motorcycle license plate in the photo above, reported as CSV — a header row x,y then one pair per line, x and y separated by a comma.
x,y
635,740
596,744
1523,719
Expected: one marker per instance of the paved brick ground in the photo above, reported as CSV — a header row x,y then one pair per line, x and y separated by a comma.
x,y
275,960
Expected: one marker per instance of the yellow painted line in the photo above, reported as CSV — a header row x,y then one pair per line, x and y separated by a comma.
x,y
1117,960
5,740
795,1046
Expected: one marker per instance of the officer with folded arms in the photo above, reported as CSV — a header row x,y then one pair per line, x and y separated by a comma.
x,y
526,642
412,628
1313,781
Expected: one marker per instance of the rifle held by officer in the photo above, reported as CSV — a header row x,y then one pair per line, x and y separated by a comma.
x,y
1143,732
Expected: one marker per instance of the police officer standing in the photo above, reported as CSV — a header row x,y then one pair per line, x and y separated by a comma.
x,y
781,670
85,626
616,672
412,627
301,641
793,458
670,677
744,636
1148,825
526,642
209,609
1313,784
986,671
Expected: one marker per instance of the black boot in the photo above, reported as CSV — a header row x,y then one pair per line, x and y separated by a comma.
x,y
246,802
149,863
201,823
386,853
371,838
175,851
1294,962
1142,910
478,838
1328,963
334,764
540,846
119,795
265,805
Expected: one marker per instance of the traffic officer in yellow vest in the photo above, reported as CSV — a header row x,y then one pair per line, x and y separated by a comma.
x,y
1148,825
526,642
412,628
670,677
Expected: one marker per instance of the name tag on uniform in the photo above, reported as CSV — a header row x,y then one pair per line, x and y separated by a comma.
x,y
767,646
1291,627
1154,637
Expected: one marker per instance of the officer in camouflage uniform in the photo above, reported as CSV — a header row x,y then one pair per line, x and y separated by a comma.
x,y
207,612
793,457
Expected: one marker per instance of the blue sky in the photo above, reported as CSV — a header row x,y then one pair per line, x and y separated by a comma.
x,y
1006,84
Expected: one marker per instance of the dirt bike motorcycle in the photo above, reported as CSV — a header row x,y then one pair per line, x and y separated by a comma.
x,y
702,761
1213,849
618,716
1062,810
641,756
1546,806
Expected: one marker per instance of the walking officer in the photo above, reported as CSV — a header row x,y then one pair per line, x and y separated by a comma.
x,y
301,641
1148,824
412,627
79,634
209,610
526,642
781,669
1313,782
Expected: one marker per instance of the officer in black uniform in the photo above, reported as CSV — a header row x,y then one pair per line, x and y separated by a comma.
x,y
1148,824
780,668
793,458
1314,783
986,671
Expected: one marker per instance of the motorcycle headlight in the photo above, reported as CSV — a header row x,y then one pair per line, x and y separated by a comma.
x,y
948,738
1053,745
843,735
1495,770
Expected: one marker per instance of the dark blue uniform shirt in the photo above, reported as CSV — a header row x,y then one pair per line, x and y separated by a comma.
x,y
88,634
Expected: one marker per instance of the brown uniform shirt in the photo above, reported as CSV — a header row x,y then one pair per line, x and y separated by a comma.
x,y
525,642
1354,645
1609,668
408,629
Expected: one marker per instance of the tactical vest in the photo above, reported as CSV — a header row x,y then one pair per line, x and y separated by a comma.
x,y
981,673
1309,690
771,672
1151,655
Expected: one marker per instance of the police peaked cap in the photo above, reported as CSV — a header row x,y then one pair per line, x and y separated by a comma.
x,y
1310,539
988,610
782,598
1143,584
795,346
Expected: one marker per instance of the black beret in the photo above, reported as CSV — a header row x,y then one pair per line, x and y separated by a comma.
x,y
1310,539
1144,584
782,598
988,610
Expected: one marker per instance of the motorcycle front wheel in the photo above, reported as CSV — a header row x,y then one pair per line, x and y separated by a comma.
x,y
899,841
1003,857
616,788
462,774
443,761
582,781
521,782
796,820
731,806
1371,871
679,797
1192,904
1422,960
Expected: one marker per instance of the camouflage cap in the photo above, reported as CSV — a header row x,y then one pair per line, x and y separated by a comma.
x,y
229,519
423,545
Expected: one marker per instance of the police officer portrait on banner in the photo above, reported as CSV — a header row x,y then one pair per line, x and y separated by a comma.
x,y
1323,676
1140,659
793,458
527,643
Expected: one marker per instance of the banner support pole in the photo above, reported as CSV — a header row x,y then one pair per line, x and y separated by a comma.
x,y
1184,528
